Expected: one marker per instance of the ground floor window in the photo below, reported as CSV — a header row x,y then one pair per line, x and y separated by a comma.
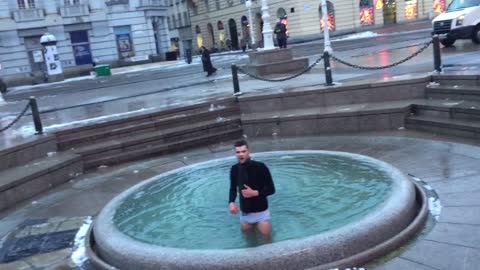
x,y
330,16
81,47
366,12
124,41
438,6
411,9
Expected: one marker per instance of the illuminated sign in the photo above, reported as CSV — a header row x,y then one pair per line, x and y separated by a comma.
x,y
378,4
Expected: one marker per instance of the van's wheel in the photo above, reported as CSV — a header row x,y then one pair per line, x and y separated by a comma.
x,y
476,34
448,41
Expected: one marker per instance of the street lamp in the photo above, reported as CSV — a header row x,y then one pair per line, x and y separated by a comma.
x,y
267,28
326,32
248,4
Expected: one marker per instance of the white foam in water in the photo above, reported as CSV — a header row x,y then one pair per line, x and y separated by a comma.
x,y
139,195
435,207
78,255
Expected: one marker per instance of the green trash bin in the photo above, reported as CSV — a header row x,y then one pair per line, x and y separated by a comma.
x,y
103,70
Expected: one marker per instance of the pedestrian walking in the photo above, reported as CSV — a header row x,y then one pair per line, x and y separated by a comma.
x,y
207,62
281,33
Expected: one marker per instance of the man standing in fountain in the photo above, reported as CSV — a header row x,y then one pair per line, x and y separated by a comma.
x,y
254,183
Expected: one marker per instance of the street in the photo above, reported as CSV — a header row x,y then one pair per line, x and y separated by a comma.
x,y
171,84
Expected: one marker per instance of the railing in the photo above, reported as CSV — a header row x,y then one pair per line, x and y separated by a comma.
x,y
28,14
74,10
152,3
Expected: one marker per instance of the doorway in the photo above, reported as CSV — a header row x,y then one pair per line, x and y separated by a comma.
x,y
390,12
232,25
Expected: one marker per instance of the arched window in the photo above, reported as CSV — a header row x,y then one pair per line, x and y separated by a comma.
x,y
366,12
330,16
281,13
220,25
197,30
210,32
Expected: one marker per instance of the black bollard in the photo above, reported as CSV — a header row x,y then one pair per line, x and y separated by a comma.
x,y
236,84
328,70
36,116
437,58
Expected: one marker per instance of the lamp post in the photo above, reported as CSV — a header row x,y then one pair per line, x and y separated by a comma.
x,y
326,32
267,28
248,4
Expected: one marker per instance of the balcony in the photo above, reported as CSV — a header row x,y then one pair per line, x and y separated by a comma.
x,y
28,14
153,4
74,10
116,2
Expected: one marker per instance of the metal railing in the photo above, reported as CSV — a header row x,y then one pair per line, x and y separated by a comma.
x,y
437,64
37,122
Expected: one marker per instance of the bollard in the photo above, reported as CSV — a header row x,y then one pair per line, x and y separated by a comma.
x,y
36,116
328,70
437,58
236,84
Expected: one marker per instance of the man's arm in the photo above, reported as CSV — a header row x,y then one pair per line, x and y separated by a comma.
x,y
268,186
233,187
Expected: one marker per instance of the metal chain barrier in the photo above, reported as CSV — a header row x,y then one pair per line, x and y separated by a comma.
x,y
282,79
425,46
16,119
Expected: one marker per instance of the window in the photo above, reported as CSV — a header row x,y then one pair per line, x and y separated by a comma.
x,y
174,22
179,20
186,18
169,23
242,1
366,12
217,3
330,16
25,4
71,2
207,5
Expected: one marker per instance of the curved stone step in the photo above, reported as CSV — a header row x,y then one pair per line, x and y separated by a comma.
x,y
164,148
25,181
455,127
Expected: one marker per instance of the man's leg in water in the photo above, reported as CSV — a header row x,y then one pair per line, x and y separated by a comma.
x,y
265,228
248,231
246,227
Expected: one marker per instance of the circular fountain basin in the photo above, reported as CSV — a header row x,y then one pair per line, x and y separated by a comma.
x,y
329,207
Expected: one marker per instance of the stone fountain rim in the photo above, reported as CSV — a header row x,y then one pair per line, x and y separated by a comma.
x,y
114,246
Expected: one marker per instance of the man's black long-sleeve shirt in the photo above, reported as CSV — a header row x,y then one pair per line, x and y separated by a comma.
x,y
255,175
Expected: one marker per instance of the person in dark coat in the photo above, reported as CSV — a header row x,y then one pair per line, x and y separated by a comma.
x,y
281,32
207,62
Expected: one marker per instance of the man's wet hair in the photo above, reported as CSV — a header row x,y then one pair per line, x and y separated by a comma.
x,y
240,143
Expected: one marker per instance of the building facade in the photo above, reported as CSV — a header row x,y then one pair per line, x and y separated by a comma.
x,y
179,27
224,23
112,31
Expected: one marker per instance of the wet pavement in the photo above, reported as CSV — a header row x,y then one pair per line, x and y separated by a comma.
x,y
449,168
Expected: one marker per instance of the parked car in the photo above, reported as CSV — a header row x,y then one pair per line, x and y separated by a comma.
x,y
461,20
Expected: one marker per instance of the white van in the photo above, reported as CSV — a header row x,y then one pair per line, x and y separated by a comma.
x,y
461,20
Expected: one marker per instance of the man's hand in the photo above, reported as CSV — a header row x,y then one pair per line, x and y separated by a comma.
x,y
233,208
249,192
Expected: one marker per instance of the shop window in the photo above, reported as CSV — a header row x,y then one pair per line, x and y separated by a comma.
x,y
411,9
366,12
438,6
220,25
124,41
81,47
330,16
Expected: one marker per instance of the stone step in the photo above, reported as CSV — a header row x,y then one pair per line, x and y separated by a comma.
x,y
460,79
164,148
71,133
331,119
456,127
19,151
146,125
455,92
448,109
25,181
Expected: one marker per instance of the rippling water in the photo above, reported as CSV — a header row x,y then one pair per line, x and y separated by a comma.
x,y
315,193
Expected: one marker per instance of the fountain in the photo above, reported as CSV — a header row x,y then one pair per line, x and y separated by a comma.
x,y
331,209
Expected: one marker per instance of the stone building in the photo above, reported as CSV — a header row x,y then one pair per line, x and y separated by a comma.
x,y
179,26
118,32
222,22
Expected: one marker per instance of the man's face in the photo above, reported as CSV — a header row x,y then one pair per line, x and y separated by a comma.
x,y
242,153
